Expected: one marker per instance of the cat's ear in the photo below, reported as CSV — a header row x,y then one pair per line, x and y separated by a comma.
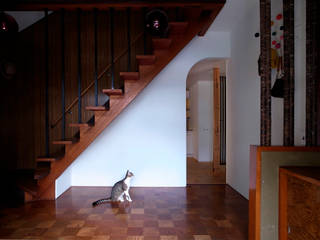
x,y
127,173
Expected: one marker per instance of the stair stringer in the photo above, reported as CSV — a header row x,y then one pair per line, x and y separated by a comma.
x,y
104,118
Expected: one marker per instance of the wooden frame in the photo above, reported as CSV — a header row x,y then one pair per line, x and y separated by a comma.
x,y
255,186
310,175
216,118
288,81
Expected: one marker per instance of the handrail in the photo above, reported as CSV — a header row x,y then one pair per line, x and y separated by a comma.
x,y
99,76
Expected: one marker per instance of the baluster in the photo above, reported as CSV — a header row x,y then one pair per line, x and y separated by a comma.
x,y
144,12
63,75
47,81
129,38
79,67
112,45
95,13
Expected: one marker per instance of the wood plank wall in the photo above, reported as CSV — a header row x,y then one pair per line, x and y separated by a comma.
x,y
23,97
313,74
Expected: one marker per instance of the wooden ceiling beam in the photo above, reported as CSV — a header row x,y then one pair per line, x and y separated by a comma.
x,y
34,5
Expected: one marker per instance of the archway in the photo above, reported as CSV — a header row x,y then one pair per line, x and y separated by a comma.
x,y
206,122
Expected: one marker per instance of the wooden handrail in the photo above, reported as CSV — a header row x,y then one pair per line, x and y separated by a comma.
x,y
99,77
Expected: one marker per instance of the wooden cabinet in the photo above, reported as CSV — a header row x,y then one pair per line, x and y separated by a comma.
x,y
299,203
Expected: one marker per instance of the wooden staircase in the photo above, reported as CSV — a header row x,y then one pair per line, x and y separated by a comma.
x,y
42,186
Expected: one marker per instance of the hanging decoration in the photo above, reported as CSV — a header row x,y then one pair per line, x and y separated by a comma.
x,y
276,55
8,24
157,22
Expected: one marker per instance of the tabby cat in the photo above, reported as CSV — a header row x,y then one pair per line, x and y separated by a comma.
x,y
119,190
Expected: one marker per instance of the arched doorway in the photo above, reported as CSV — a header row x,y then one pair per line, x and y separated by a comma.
x,y
206,121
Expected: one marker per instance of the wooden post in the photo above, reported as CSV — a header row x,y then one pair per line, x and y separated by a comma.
x,y
216,117
288,100
265,46
312,73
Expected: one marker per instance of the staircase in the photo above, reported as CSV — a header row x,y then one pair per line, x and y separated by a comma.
x,y
40,185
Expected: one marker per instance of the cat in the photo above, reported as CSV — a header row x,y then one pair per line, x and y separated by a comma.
x,y
119,190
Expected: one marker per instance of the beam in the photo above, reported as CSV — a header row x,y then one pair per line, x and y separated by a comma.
x,y
102,4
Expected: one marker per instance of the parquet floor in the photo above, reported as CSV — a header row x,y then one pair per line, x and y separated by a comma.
x,y
198,212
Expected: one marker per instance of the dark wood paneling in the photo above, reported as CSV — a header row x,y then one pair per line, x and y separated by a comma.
x,y
312,73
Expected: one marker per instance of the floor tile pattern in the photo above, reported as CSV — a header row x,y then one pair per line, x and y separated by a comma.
x,y
197,212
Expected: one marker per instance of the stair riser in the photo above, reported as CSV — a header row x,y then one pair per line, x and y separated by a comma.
x,y
129,76
159,44
146,61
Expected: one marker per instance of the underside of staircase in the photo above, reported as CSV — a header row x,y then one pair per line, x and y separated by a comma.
x,y
40,184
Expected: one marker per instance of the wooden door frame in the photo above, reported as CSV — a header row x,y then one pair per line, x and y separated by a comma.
x,y
217,167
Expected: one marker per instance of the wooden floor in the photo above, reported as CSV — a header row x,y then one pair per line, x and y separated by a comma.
x,y
202,173
199,212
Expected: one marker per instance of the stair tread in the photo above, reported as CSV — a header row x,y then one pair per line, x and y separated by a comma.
x,y
42,172
49,158
96,108
66,141
112,91
80,125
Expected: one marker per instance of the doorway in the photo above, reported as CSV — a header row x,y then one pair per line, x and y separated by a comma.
x,y
205,108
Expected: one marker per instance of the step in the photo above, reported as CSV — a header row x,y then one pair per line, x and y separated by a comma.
x,y
177,28
146,59
130,75
161,43
42,172
110,92
49,158
96,108
65,141
80,125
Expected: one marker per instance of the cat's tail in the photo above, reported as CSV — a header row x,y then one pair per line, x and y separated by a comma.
x,y
103,200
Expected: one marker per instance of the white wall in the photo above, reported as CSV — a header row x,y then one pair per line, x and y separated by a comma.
x,y
149,137
63,182
243,96
201,99
300,72
205,113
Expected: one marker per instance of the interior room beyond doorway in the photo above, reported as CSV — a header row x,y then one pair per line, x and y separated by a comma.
x,y
205,106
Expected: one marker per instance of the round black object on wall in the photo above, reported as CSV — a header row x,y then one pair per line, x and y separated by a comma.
x,y
157,22
8,24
